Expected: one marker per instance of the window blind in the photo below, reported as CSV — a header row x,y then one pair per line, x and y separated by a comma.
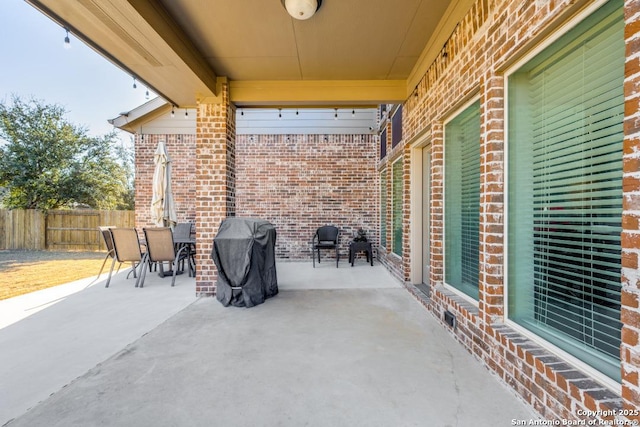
x,y
462,200
565,191
396,176
396,127
383,208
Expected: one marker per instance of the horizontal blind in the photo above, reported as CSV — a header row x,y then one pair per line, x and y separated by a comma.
x,y
574,104
470,201
396,127
396,176
462,201
383,208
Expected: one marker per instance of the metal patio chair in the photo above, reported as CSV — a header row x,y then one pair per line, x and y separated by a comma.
x,y
182,237
126,248
326,237
160,249
108,242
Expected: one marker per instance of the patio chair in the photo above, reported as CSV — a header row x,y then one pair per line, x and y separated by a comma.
x,y
326,237
182,238
126,247
160,248
108,242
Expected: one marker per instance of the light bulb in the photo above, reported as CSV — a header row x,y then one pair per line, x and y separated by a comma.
x,y
301,9
67,41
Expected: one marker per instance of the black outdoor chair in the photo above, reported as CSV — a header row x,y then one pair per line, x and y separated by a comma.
x,y
326,237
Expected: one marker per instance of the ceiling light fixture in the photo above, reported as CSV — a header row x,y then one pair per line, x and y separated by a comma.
x,y
301,9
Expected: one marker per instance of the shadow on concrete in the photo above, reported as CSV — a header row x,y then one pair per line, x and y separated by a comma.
x,y
336,347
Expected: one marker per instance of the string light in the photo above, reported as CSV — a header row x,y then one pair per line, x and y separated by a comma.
x,y
67,41
134,83
186,113
353,113
173,112
146,94
279,113
335,116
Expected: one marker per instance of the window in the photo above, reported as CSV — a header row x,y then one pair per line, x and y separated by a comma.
x,y
383,208
396,127
396,215
383,143
565,191
462,200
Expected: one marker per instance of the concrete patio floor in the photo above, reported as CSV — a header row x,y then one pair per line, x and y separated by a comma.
x,y
336,347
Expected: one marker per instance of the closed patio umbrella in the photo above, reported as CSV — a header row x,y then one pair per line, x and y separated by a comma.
x,y
163,210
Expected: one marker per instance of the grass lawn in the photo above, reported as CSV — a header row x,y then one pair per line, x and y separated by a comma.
x,y
22,272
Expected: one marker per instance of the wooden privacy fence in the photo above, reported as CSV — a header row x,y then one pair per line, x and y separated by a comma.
x,y
74,230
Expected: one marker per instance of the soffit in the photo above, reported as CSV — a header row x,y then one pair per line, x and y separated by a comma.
x,y
344,40
179,47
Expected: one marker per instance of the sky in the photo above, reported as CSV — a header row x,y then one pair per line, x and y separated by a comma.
x,y
34,63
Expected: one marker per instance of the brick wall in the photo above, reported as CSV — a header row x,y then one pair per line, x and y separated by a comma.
x,y
182,150
630,351
486,41
214,181
297,182
301,182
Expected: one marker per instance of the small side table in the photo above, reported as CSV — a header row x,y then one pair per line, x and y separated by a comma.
x,y
355,247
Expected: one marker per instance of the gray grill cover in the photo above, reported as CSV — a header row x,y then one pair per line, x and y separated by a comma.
x,y
244,253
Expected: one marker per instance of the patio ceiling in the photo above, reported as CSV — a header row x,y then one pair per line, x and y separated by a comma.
x,y
351,52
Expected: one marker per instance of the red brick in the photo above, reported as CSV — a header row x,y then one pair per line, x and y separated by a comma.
x,y
630,299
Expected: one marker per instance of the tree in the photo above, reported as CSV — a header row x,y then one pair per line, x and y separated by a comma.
x,y
48,163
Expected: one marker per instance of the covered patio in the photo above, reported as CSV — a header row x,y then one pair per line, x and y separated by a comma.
x,y
341,347
482,106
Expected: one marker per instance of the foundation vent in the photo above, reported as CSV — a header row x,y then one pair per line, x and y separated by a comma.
x,y
450,319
